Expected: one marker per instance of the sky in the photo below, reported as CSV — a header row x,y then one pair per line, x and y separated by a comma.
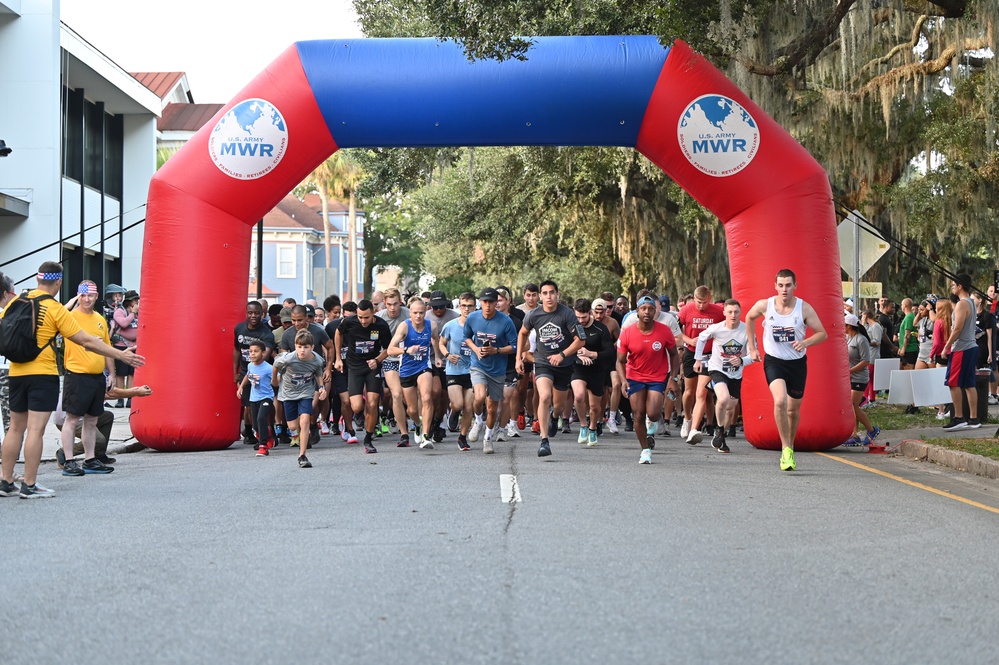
x,y
221,45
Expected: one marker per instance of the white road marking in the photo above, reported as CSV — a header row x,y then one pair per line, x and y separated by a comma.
x,y
509,489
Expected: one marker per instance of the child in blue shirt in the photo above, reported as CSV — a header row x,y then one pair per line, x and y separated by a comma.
x,y
258,376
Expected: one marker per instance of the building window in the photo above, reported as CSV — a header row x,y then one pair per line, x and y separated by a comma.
x,y
286,260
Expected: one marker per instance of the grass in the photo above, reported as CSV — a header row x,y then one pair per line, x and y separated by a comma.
x,y
984,447
894,417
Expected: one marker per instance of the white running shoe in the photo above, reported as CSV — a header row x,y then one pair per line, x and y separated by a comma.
x,y
651,428
487,446
473,434
417,439
685,429
324,429
612,425
511,430
694,437
427,444
646,457
500,434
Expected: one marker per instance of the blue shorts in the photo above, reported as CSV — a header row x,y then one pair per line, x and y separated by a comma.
x,y
637,386
297,407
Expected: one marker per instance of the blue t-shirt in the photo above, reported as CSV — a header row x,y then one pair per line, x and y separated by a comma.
x,y
260,381
454,333
499,331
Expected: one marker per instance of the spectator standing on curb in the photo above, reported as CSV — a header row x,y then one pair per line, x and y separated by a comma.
x,y
6,295
962,350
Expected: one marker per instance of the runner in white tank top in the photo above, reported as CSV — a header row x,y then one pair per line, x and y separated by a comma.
x,y
785,326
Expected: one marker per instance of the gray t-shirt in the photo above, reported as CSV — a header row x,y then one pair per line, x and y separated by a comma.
x,y
300,379
319,339
859,349
556,331
966,340
437,322
394,323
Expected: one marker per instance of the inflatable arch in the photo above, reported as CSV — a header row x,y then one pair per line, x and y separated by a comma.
x,y
773,198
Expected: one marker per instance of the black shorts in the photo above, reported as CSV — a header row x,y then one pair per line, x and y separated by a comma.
x,y
793,372
439,372
34,392
734,385
512,378
339,382
364,381
688,365
859,387
595,379
83,394
910,357
123,369
463,380
560,377
528,368
410,381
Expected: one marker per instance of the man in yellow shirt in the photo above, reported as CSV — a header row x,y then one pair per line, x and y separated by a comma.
x,y
34,385
83,385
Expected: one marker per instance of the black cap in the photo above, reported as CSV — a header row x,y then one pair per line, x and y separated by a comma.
x,y
438,299
310,310
489,294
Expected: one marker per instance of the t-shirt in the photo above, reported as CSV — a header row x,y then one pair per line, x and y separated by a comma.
x,y
498,331
319,339
331,328
299,378
911,341
728,343
694,321
859,349
260,381
986,321
517,317
556,331
648,354
888,346
56,320
393,324
874,333
598,338
453,333
363,344
242,335
437,322
78,360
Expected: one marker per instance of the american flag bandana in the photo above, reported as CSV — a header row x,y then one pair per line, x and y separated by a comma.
x,y
87,287
49,276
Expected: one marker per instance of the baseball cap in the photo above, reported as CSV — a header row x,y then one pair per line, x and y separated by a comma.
x,y
489,293
438,299
503,291
664,302
646,300
851,320
310,310
286,315
598,303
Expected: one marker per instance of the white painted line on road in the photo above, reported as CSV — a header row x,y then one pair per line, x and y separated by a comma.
x,y
509,489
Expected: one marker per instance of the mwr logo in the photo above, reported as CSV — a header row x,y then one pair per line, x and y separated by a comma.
x,y
249,140
718,136
657,346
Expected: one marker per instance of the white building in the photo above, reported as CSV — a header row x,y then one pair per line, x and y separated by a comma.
x,y
83,136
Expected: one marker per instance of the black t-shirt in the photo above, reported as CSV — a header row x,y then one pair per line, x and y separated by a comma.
x,y
242,336
319,339
888,347
331,329
598,338
363,344
985,322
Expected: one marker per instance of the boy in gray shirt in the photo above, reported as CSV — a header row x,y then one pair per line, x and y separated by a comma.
x,y
301,373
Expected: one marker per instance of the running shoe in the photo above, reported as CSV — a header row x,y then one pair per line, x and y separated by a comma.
x,y
718,440
303,462
8,489
295,441
284,436
521,421
463,442
417,439
709,429
71,468
787,460
554,425
565,426
652,442
473,434
536,427
369,447
35,491
94,465
500,434
591,439
731,431
110,460
694,437
453,421
584,434
324,429
545,450
344,434
334,429
724,447
651,427
855,441
974,423
384,428
403,441
439,434
262,451
60,458
313,435
685,429
511,430
351,438
955,424
487,446
646,456
612,425
427,444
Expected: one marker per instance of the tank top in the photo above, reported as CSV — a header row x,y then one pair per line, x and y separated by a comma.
x,y
966,340
780,330
415,363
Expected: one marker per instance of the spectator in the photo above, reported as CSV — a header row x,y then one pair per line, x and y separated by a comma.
x,y
125,334
6,295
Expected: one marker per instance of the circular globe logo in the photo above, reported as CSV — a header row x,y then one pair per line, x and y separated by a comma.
x,y
249,140
718,136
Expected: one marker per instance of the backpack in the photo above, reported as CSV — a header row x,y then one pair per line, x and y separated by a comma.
x,y
19,329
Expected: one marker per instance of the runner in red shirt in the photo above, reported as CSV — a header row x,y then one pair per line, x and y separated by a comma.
x,y
647,358
695,317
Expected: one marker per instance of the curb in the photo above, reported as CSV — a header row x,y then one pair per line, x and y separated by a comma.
x,y
953,459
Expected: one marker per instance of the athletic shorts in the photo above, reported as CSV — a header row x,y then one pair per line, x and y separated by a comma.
x,y
960,370
910,357
494,384
734,385
595,380
390,364
688,365
34,392
528,368
511,379
793,372
364,381
439,372
638,386
560,377
410,381
83,394
858,387
463,380
294,408
245,398
339,382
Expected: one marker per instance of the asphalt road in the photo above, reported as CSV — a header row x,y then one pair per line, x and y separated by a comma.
x,y
411,556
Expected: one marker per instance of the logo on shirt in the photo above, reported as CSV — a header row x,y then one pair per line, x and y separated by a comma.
x,y
732,348
550,335
657,346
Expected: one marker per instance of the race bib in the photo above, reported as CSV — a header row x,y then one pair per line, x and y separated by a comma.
x,y
783,334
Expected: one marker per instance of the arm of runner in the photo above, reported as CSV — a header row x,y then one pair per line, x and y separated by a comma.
x,y
523,346
701,342
337,346
819,334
